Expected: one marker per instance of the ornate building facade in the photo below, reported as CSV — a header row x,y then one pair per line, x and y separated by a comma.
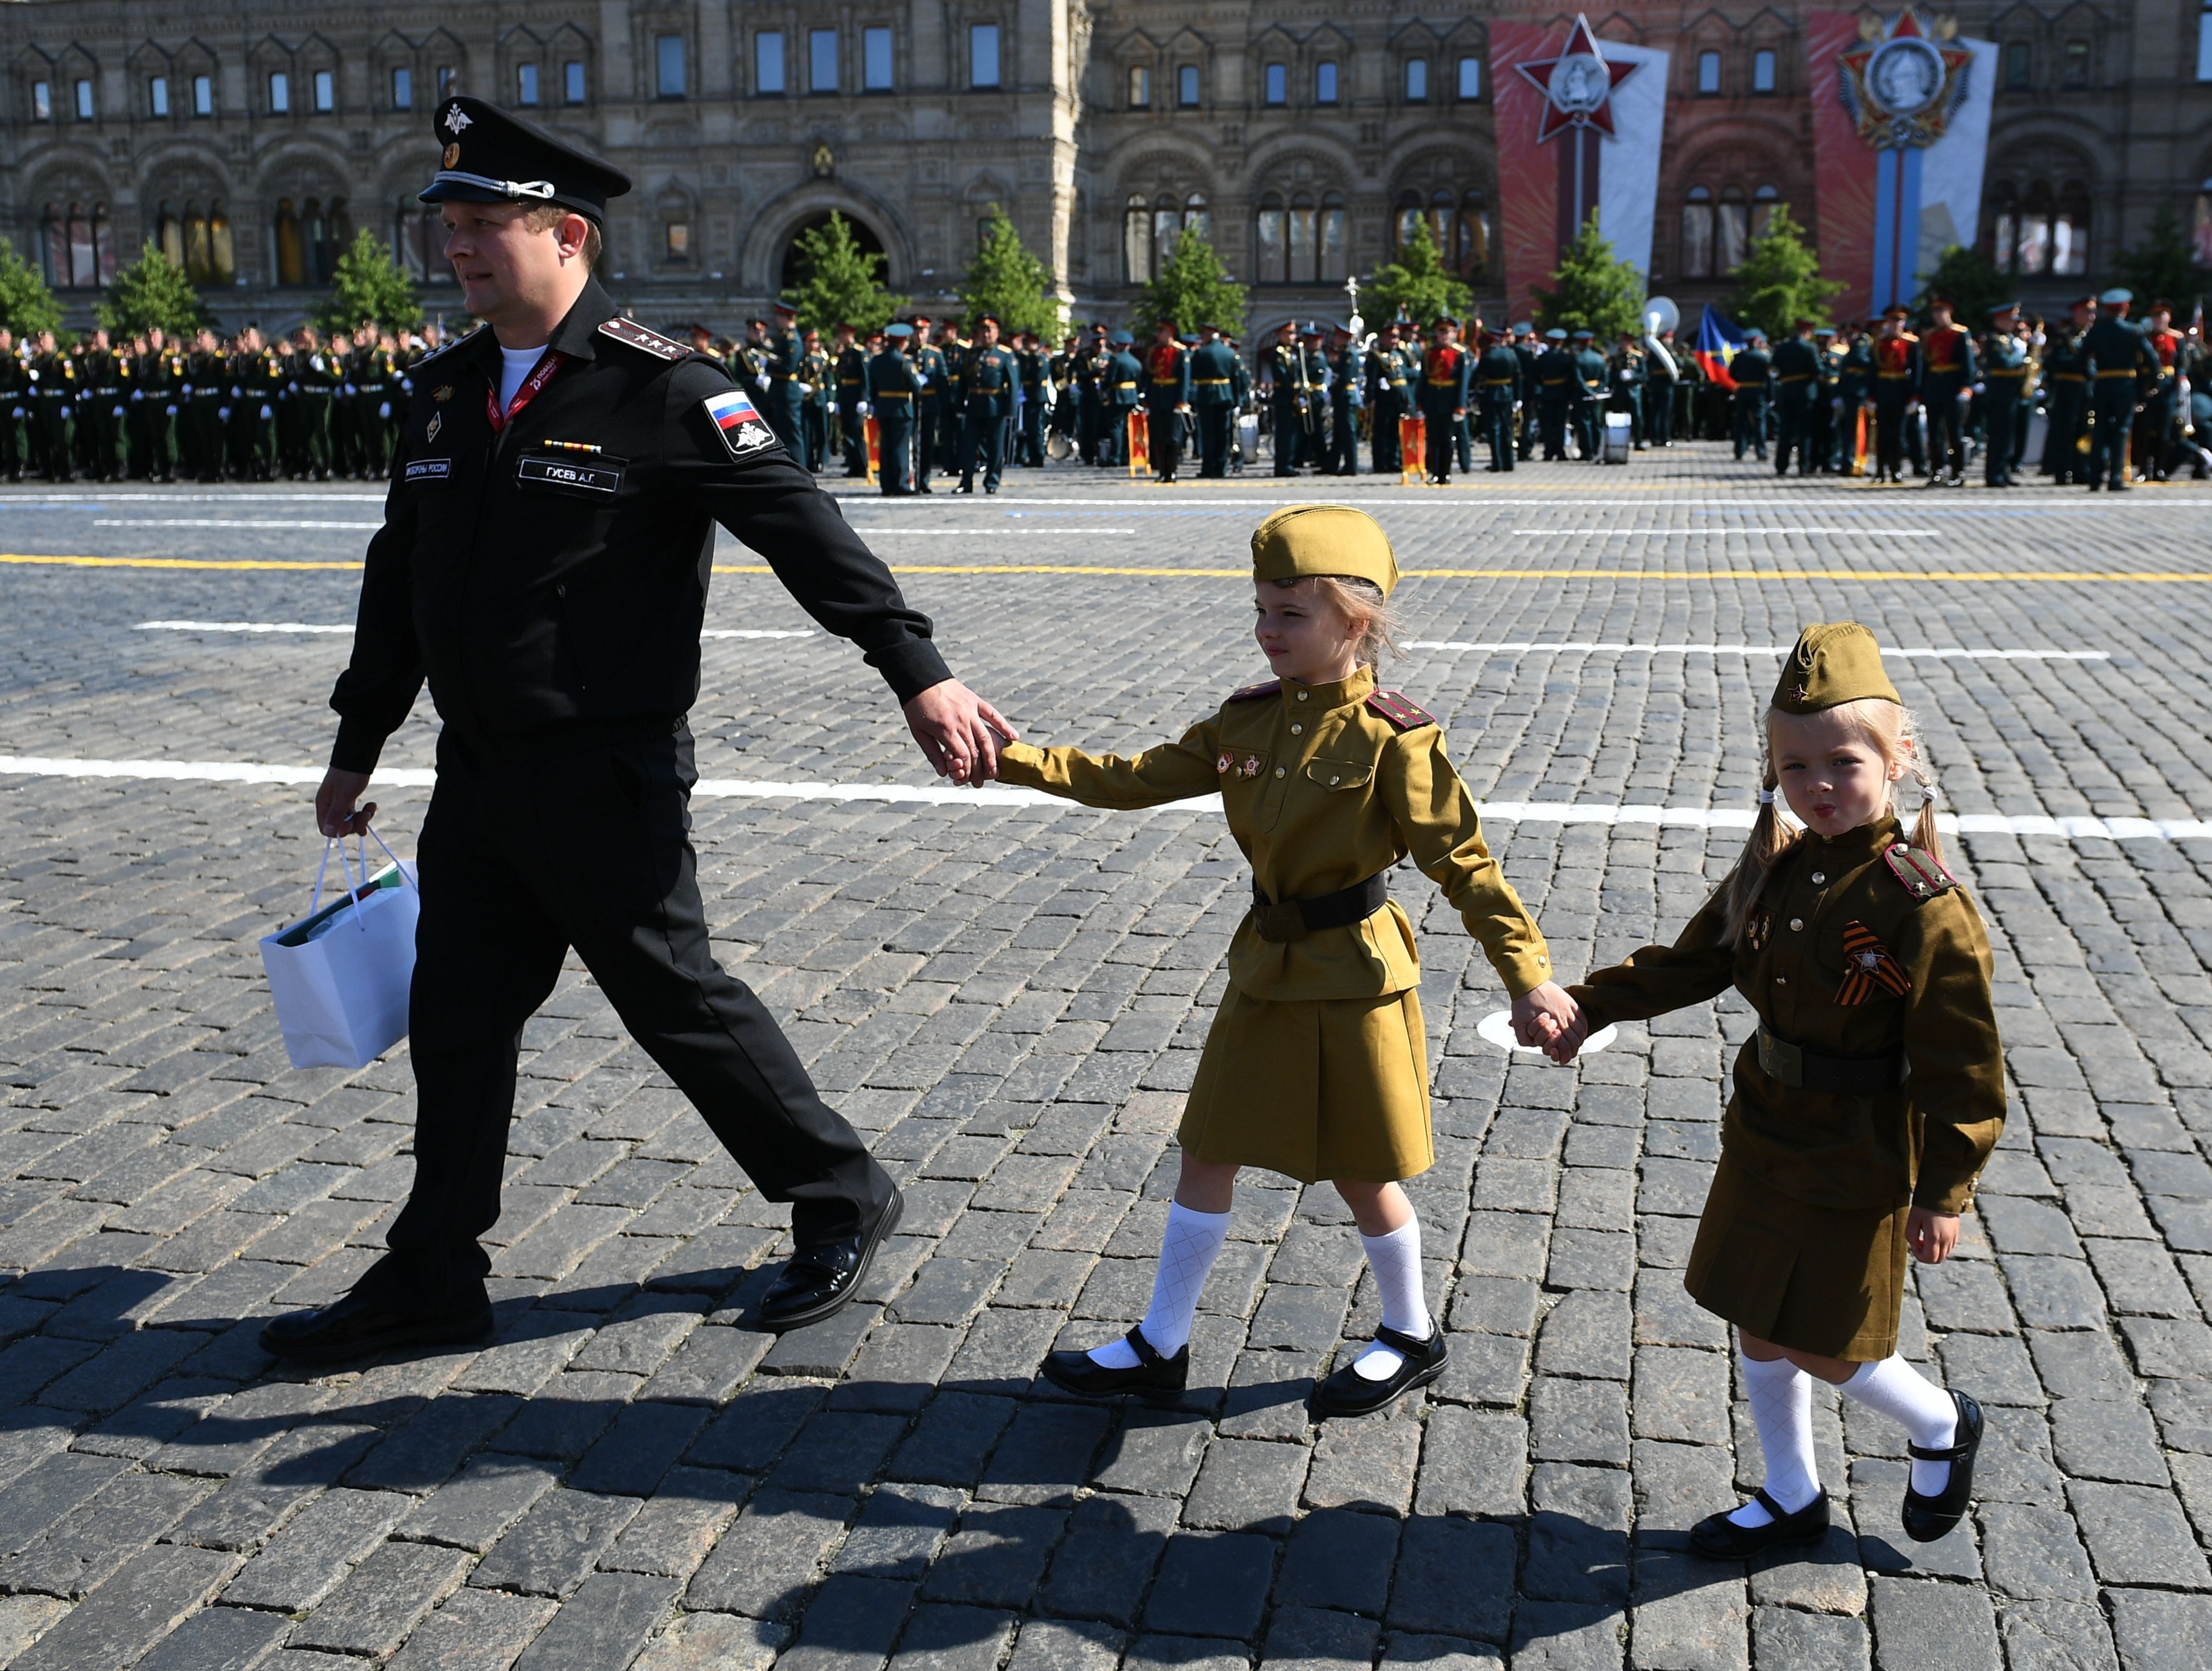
x,y
1304,138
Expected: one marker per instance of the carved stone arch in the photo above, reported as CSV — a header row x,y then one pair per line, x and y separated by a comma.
x,y
1619,25
68,200
1161,162
442,49
766,242
1307,158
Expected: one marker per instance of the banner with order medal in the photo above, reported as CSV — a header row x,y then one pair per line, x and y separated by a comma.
x,y
1900,133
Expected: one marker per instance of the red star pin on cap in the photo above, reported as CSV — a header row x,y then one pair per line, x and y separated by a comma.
x,y
1577,85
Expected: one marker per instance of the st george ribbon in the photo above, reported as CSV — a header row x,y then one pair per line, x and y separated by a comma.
x,y
1900,133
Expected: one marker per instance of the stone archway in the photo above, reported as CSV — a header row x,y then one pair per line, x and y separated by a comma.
x,y
863,234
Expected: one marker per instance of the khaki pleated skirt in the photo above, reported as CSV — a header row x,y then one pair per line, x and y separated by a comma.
x,y
1820,1279
1323,1088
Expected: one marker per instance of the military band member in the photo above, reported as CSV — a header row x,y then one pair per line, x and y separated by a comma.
x,y
54,384
1752,373
1660,378
812,386
1341,454
1586,393
1797,391
2066,404
1896,354
1865,1104
2118,365
933,403
1626,375
544,563
851,362
1036,383
1446,375
1555,385
1123,387
15,404
1529,350
2005,369
1498,375
1946,373
1167,392
1388,398
986,392
1094,446
1213,369
2158,424
892,391
1315,1066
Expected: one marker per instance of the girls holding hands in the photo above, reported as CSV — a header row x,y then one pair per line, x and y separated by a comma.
x,y
1866,1103
1316,1064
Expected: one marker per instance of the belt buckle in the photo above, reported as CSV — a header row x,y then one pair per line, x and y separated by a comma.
x,y
1281,923
1781,1059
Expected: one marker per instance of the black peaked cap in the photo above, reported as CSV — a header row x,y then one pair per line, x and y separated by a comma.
x,y
492,155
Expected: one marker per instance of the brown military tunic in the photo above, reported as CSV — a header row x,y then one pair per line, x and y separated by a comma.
x,y
1859,947
1316,1066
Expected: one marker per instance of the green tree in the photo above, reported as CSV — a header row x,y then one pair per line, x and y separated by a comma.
x,y
369,284
27,306
840,283
1417,285
1969,280
1193,290
1780,281
1593,289
1006,281
152,294
2163,266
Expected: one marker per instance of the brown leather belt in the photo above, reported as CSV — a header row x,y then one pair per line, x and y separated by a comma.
x,y
1288,920
1844,1076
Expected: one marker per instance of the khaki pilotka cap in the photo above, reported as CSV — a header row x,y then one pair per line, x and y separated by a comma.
x,y
1833,662
1323,540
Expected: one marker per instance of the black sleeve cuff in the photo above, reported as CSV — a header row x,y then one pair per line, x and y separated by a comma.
x,y
357,748
909,667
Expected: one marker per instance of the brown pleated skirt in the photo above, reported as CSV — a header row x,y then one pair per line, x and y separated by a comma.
x,y
1324,1088
1820,1279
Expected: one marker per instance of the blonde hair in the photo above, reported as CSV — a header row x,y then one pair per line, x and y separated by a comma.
x,y
547,215
1894,735
1359,600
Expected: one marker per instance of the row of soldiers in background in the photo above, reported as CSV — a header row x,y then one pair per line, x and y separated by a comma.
x,y
2115,399
146,408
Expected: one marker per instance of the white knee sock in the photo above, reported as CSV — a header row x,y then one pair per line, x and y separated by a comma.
x,y
1781,1407
1395,1259
1924,1410
1189,1247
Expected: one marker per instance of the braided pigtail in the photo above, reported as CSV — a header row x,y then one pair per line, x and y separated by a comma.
x,y
1769,839
1923,824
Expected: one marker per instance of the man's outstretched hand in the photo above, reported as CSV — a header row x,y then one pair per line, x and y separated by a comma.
x,y
958,731
334,804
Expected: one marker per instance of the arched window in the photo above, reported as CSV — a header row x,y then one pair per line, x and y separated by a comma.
x,y
1196,217
1167,227
78,247
1709,71
1698,234
291,256
1763,202
1732,233
1303,240
314,242
1137,240
2037,230
1273,267
169,234
1298,242
53,242
1459,221
2069,233
222,255
1330,251
1471,244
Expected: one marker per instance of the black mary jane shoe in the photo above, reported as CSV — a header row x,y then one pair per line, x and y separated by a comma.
x,y
1928,1518
821,1279
1153,1376
1348,1393
363,1324
1717,1538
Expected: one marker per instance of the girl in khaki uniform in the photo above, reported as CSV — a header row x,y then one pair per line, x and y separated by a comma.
x,y
1864,1105
1316,1066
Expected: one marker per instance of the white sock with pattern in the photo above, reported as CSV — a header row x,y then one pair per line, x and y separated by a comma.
x,y
1395,1259
1782,1408
1188,1247
1928,1414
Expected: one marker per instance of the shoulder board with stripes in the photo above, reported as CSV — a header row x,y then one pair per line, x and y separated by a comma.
x,y
1402,715
633,334
1918,873
446,348
1254,692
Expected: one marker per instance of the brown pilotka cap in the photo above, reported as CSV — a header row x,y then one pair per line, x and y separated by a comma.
x,y
1832,663
1323,540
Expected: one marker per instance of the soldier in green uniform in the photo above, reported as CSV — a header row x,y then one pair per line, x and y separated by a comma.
x,y
1387,387
1036,381
814,390
851,371
986,394
1866,1101
933,403
2118,363
1059,372
1626,375
1528,350
1948,373
1752,372
892,390
1093,445
1165,385
1587,393
1796,372
2004,367
1662,374
1123,387
369,373
1285,368
1447,372
1498,377
15,404
54,383
1555,383
1829,358
99,407
318,377
1342,364
1213,369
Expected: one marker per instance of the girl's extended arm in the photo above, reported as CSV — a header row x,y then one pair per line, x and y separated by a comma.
x,y
1436,817
1173,771
1699,967
1951,1044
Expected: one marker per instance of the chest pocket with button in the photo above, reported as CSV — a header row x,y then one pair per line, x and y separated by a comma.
x,y
1338,775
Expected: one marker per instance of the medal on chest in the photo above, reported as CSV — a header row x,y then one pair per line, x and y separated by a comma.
x,y
1756,931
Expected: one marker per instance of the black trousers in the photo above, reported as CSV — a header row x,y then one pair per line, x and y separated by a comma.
x,y
1163,438
1443,426
1793,429
1498,426
1998,434
1213,439
982,440
2113,404
1659,412
614,877
1947,437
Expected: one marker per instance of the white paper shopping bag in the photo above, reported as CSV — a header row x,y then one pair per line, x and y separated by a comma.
x,y
340,975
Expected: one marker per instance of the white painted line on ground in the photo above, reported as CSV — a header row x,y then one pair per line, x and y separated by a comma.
x,y
320,627
31,500
2079,829
904,533
220,522
1530,647
1726,533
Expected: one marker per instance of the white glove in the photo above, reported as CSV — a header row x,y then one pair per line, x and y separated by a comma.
x,y
384,411
349,388
223,412
265,413
188,392
173,411
118,411
407,386
235,392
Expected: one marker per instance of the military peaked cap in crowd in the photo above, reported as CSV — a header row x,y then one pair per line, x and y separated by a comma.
x,y
491,156
1323,540
1832,663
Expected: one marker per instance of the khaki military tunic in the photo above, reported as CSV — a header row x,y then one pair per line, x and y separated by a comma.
x,y
1857,947
1316,1066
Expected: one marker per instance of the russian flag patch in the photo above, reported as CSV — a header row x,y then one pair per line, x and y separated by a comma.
x,y
740,425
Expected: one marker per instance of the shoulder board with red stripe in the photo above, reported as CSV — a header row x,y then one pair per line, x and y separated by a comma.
x,y
634,335
1918,873
1254,692
1402,715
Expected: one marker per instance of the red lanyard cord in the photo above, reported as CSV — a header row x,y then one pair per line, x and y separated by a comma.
x,y
530,384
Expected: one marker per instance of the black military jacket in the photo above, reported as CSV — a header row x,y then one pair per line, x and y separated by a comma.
x,y
550,579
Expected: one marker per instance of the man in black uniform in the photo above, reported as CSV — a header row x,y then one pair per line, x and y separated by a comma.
x,y
544,561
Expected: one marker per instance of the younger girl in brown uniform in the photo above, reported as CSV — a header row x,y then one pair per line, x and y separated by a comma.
x,y
1864,1105
1316,1066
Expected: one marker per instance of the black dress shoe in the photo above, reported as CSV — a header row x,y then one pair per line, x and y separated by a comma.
x,y
1928,1518
362,1325
819,1280
1348,1393
1720,1538
1153,1376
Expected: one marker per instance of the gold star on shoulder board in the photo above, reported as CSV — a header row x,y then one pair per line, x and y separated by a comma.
x,y
443,392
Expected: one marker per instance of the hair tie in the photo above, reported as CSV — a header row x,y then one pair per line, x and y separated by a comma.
x,y
1767,797
1927,794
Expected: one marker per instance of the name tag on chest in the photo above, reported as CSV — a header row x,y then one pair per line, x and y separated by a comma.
x,y
571,475
429,470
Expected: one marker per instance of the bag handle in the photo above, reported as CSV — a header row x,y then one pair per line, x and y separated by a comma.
x,y
405,878
322,870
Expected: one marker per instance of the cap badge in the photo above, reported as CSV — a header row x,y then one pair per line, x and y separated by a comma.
x,y
1801,691
452,156
456,119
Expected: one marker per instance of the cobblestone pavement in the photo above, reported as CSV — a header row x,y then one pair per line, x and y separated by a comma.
x,y
1009,999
